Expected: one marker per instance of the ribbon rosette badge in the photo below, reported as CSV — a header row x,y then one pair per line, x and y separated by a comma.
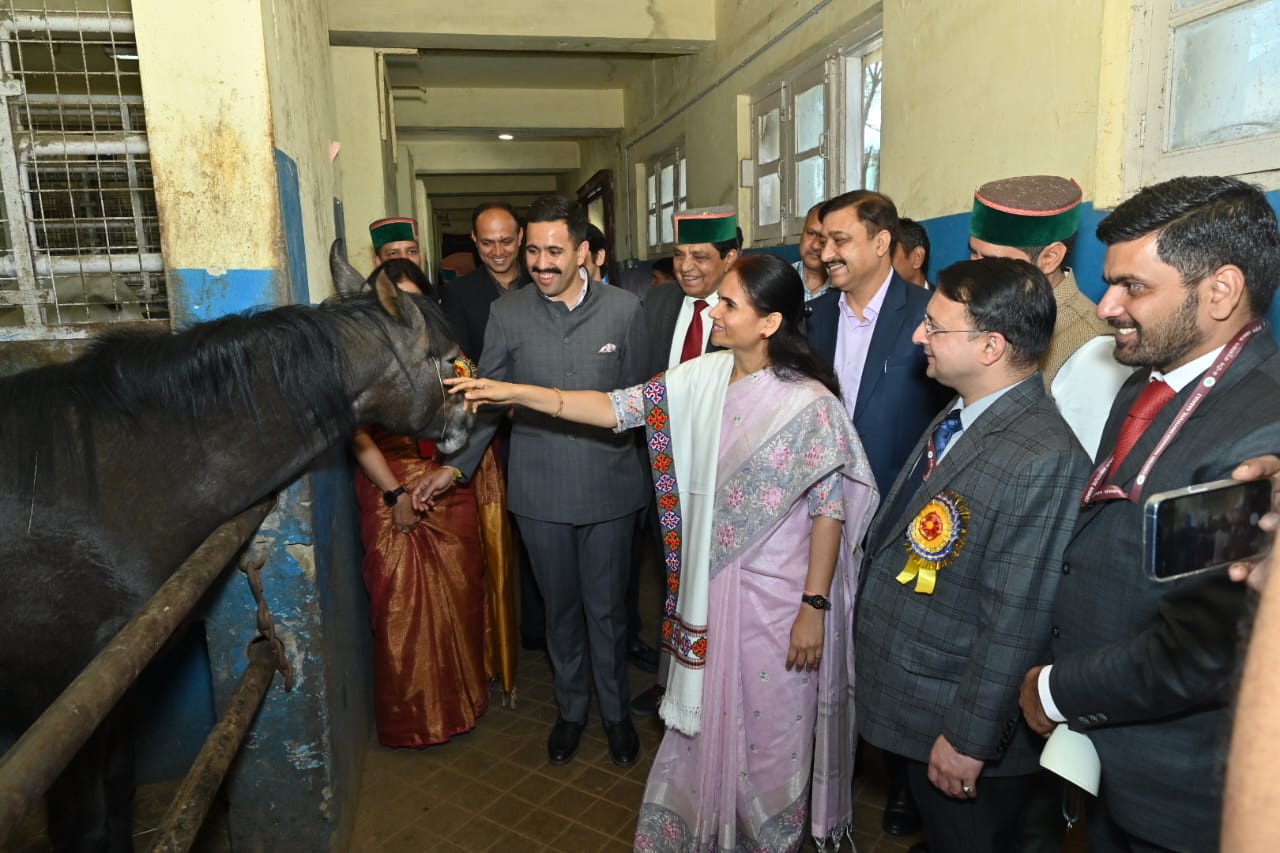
x,y
935,538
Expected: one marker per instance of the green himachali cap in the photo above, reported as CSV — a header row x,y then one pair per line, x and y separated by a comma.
x,y
706,225
1032,210
393,230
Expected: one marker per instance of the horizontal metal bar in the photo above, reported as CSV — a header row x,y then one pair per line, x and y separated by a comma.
x,y
90,264
82,144
85,23
191,803
74,100
34,762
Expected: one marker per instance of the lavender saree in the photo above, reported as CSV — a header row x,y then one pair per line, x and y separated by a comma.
x,y
755,753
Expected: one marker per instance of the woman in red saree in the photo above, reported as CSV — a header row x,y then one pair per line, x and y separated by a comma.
x,y
432,603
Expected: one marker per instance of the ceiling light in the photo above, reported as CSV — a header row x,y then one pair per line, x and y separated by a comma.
x,y
505,137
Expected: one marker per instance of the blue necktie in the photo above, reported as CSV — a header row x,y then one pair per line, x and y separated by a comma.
x,y
920,471
942,435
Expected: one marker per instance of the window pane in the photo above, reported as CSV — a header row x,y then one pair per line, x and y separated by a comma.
x,y
769,136
1226,82
872,85
811,180
668,227
809,118
768,200
651,187
668,185
683,192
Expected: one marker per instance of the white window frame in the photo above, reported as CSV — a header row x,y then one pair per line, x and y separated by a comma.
x,y
851,133
841,144
660,209
1151,85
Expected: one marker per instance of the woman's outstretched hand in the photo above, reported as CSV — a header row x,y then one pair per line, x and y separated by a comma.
x,y
479,391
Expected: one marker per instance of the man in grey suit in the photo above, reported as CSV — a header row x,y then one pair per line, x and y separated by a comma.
x,y
574,490
1144,668
962,560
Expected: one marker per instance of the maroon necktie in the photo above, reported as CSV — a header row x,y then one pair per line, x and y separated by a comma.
x,y
1145,408
693,338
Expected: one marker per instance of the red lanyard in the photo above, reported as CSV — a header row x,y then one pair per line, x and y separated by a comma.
x,y
1095,492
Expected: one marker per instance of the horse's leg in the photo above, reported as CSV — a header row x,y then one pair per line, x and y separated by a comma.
x,y
91,804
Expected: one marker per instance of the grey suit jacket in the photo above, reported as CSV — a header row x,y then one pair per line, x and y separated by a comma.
x,y
1146,668
951,663
561,471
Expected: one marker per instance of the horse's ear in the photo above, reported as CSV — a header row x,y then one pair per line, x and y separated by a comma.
x,y
388,296
398,303
346,280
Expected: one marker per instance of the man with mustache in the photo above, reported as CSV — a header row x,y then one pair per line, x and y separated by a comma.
x,y
1145,669
813,272
574,490
863,326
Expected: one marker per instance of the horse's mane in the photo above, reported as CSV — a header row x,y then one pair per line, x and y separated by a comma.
x,y
129,378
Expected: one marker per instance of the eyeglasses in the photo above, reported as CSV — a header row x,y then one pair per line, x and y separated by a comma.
x,y
931,329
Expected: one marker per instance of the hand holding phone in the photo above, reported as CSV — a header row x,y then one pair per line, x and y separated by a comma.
x,y
1205,527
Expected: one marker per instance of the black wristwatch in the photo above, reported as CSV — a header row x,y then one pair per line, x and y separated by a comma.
x,y
390,498
817,602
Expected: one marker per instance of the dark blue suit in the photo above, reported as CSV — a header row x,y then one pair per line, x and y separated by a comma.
x,y
896,399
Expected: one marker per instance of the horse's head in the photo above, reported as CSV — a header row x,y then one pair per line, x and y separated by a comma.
x,y
404,391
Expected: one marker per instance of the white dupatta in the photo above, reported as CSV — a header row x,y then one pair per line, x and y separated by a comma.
x,y
696,391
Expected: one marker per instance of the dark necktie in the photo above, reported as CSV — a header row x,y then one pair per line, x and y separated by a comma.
x,y
1149,403
693,338
942,435
920,471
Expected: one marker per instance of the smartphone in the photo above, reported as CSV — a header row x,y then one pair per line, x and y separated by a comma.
x,y
1204,527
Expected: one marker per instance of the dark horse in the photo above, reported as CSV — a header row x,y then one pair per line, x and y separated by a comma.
x,y
116,466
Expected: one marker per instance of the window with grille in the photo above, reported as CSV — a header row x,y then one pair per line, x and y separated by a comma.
x,y
815,134
79,230
665,193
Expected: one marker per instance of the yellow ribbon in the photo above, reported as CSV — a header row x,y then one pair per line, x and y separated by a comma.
x,y
923,572
934,539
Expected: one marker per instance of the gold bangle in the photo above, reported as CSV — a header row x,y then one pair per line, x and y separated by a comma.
x,y
559,408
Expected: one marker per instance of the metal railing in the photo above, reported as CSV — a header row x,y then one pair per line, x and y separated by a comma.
x,y
40,755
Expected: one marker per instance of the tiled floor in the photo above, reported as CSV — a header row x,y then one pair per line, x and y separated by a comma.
x,y
493,789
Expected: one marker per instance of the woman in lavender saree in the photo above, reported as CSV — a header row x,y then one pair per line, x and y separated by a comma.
x,y
764,495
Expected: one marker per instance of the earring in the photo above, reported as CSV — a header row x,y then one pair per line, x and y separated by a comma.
x,y
763,336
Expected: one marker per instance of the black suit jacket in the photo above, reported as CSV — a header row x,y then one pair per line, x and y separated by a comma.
x,y
1147,669
466,302
896,399
661,310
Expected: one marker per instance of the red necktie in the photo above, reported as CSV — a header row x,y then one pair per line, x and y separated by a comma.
x,y
1145,408
693,338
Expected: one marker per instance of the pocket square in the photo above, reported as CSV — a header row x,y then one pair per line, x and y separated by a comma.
x,y
608,348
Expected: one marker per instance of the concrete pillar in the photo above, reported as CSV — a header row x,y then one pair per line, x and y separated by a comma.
x,y
240,120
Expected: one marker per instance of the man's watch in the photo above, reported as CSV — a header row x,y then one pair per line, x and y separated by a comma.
x,y
390,498
817,602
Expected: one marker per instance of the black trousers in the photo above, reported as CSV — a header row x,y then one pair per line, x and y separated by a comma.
x,y
987,823
1106,836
